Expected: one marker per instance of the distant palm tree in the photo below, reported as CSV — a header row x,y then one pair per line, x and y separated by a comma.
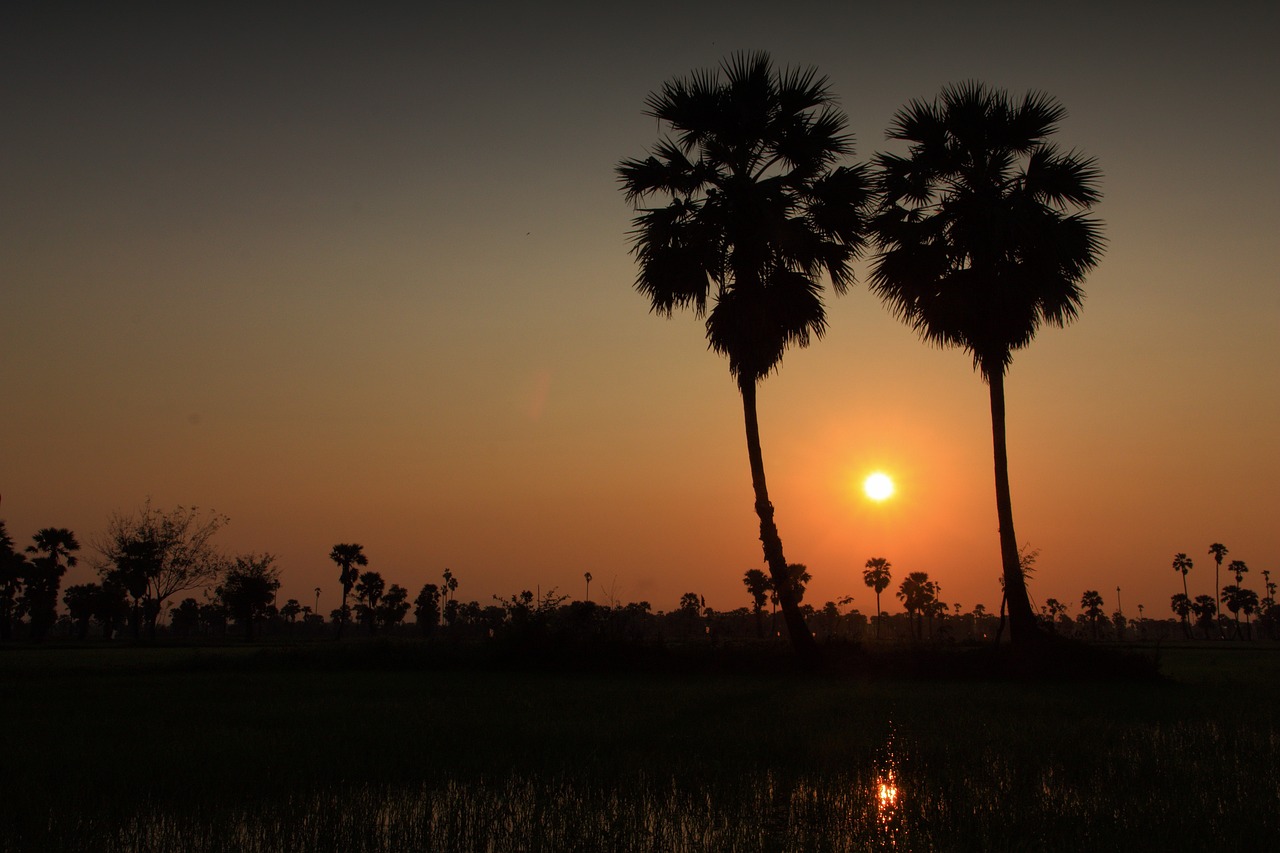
x,y
1219,551
876,575
1182,563
1234,602
587,577
56,547
917,594
758,586
1180,604
979,610
756,210
370,587
1248,601
977,249
348,557
1205,609
1053,609
1091,604
58,544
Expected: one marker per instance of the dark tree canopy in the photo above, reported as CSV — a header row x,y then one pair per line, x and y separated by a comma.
x,y
248,589
154,554
757,209
982,228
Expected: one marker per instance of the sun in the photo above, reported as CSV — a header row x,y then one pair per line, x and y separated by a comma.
x,y
878,486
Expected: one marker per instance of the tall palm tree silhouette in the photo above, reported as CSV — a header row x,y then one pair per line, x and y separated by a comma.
x,y
756,211
876,576
1182,563
1219,551
1235,599
978,248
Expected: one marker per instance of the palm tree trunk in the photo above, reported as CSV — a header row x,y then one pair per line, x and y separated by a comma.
x,y
342,614
801,640
1022,621
1217,591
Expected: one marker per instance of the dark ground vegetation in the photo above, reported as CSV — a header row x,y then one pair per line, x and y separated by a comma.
x,y
386,745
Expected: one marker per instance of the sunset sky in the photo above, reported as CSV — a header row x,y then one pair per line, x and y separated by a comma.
x,y
363,276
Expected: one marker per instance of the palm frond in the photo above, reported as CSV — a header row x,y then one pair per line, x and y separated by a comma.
x,y
919,121
760,210
1062,180
1036,118
676,263
801,89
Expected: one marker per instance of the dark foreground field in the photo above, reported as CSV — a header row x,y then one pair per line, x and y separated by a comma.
x,y
372,748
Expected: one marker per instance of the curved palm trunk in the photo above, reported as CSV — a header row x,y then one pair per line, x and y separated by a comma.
x,y
1022,621
801,640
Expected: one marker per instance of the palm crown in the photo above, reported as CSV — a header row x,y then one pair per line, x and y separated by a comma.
x,y
757,209
978,246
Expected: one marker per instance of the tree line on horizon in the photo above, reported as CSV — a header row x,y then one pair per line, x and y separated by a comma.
x,y
1238,598
148,558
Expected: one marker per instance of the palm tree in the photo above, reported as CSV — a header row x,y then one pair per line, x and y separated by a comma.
x,y
979,610
1053,608
876,576
58,544
1182,563
1219,551
1205,609
1091,604
1180,604
348,557
43,577
978,249
758,586
917,594
1233,602
756,212
587,577
1247,600
369,589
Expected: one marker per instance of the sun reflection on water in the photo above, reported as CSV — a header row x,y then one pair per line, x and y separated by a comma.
x,y
887,794
887,798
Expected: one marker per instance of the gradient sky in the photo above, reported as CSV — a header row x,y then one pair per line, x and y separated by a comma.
x,y
363,276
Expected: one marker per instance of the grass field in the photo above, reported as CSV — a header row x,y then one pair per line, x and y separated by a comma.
x,y
380,748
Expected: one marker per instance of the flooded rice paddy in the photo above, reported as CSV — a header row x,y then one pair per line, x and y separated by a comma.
x,y
907,797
